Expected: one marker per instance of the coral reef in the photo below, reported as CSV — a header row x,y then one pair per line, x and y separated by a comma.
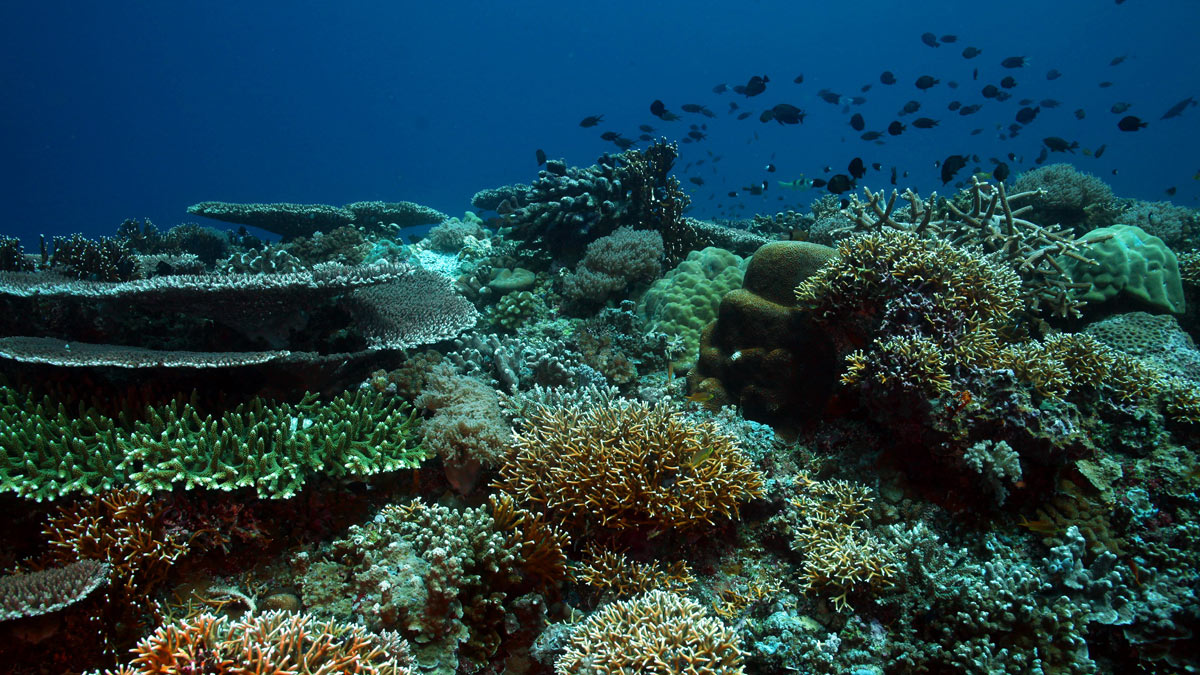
x,y
1125,261
273,643
625,464
1067,197
657,633
49,590
615,262
304,220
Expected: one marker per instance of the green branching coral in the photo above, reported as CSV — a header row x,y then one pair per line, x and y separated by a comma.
x,y
275,448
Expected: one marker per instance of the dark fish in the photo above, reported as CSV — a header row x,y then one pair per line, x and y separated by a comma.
x,y
645,137
770,168
1001,172
697,135
541,156
610,135
1117,60
976,132
1130,123
783,113
799,79
1025,101
975,75
893,175
658,109
895,128
969,109
1177,109
949,39
926,81
887,77
877,166
1120,107
646,128
1015,62
720,88
971,52
930,39
744,115
1170,191
1080,114
924,123
692,107
910,107
1042,156
818,182
1027,115
1105,85
1049,103
829,96
1057,144
870,135
952,165
954,105
857,123
591,121
1053,74
624,143
696,180
952,84
857,100
756,85
1003,96
990,91
865,88
839,183
856,168
1008,82
733,194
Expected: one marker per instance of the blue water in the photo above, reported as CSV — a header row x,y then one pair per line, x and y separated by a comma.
x,y
138,109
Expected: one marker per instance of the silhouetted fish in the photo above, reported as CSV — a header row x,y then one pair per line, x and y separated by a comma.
x,y
990,91
829,96
744,115
1130,123
799,79
895,128
930,39
1053,74
1008,82
1027,115
949,39
952,165
783,113
1049,103
1177,109
856,168
1057,144
756,85
887,77
924,123
591,121
926,81
910,107
857,123
1001,172
1120,107
1080,114
870,135
541,156
1015,62
971,52
954,105
720,88
839,183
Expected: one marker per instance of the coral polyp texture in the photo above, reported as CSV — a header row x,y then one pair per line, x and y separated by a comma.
x,y
49,590
273,643
659,633
625,464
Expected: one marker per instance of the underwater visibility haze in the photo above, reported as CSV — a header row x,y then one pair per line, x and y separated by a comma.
x,y
549,337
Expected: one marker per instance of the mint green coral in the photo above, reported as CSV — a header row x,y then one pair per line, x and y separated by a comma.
x,y
1131,262
685,300
48,452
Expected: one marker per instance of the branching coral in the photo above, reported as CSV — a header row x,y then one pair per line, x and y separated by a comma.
x,y
613,571
274,643
626,464
658,633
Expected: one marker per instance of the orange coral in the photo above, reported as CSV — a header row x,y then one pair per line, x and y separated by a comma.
x,y
614,571
625,464
275,643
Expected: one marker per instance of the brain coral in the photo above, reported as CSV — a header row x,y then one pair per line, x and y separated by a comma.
x,y
1133,264
684,301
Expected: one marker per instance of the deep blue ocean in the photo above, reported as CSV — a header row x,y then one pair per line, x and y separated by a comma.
x,y
139,109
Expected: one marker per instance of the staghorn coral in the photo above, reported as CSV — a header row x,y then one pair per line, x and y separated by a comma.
x,y
657,633
614,572
108,259
49,590
829,531
625,464
12,256
122,529
273,643
448,579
